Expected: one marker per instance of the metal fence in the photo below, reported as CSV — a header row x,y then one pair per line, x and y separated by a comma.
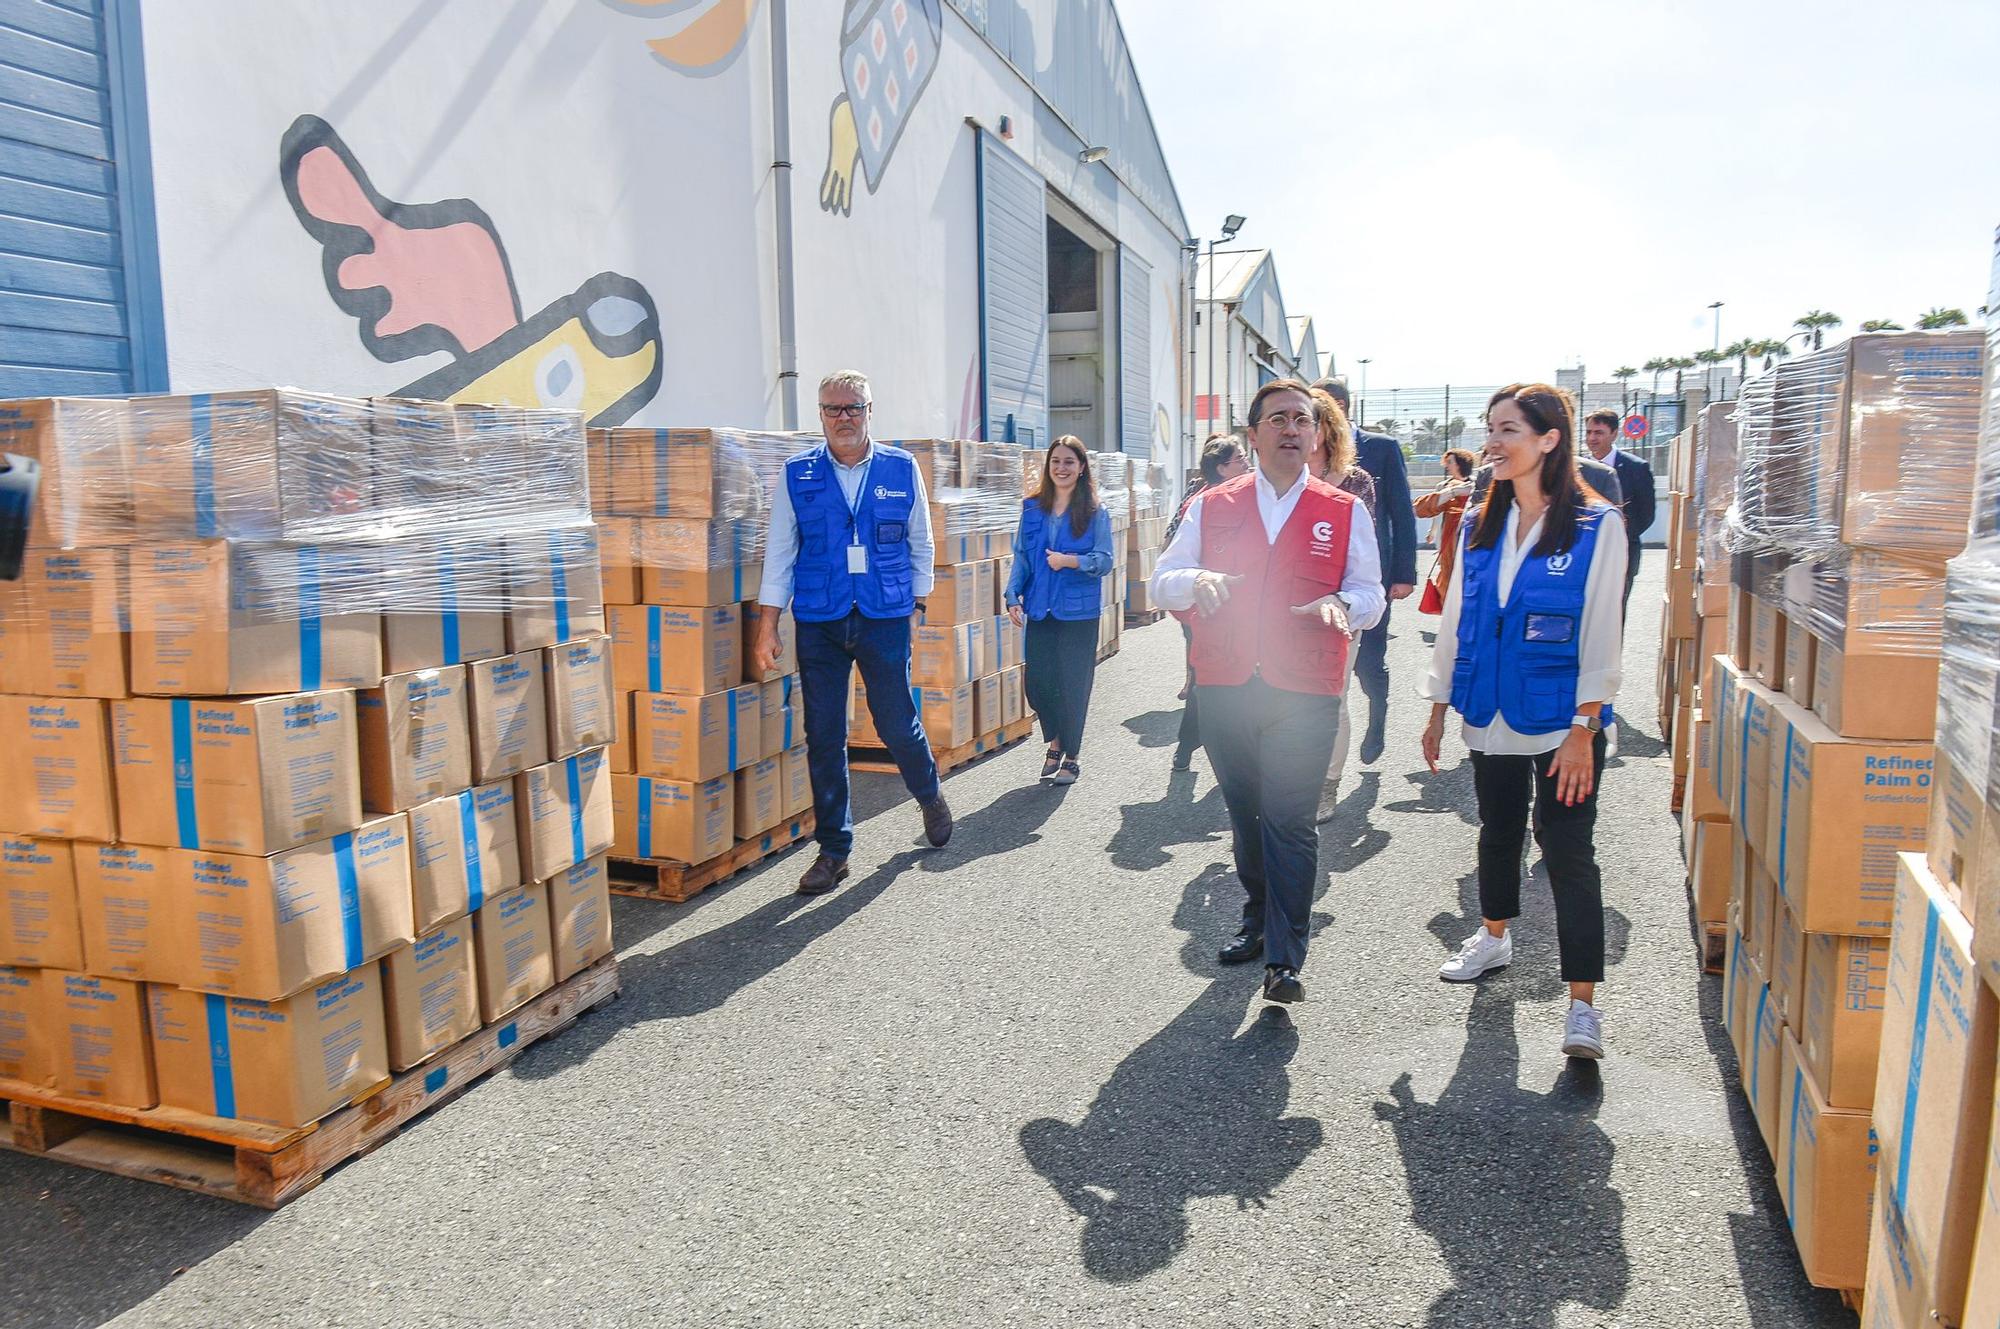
x,y
1427,421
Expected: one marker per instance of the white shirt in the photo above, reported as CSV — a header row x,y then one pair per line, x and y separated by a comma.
x,y
1172,586
781,540
1600,647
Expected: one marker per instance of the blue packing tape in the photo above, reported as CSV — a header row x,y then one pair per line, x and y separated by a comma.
x,y
201,408
730,706
1785,814
187,815
475,865
350,897
448,617
645,817
1918,1037
1743,766
662,480
1757,1037
653,650
575,779
559,582
221,1065
311,630
1792,1155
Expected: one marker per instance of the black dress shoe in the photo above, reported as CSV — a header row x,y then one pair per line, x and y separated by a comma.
x,y
1247,946
1183,761
826,873
937,822
1281,983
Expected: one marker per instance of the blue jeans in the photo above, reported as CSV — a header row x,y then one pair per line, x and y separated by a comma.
x,y
1270,749
828,655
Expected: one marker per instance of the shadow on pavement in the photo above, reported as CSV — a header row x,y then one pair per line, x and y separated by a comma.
x,y
1156,729
80,1247
1447,792
1146,831
1514,1186
1196,1111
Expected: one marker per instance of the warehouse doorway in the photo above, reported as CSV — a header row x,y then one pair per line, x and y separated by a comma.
x,y
1082,354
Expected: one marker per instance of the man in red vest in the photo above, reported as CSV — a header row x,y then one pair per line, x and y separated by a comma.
x,y
1280,571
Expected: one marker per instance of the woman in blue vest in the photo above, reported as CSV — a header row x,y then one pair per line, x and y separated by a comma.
x,y
1528,654
1062,553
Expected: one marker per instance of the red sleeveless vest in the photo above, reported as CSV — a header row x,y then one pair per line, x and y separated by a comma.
x,y
1256,632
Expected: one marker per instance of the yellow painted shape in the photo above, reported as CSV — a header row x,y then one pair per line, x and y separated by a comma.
x,y
605,378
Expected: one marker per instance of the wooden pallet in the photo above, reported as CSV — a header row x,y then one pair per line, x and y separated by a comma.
x,y
948,759
267,1166
665,879
1143,618
1106,651
1714,946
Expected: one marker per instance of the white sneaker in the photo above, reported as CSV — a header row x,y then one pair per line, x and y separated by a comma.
x,y
1482,953
1583,1031
1611,740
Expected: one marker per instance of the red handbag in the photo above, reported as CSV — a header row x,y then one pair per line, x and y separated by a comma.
x,y
1433,602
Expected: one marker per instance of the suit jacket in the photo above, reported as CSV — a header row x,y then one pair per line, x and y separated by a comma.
x,y
1596,474
1635,479
1396,523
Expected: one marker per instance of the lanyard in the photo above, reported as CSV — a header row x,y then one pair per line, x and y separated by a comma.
x,y
860,489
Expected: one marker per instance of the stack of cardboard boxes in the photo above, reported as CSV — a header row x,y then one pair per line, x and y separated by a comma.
x,y
1695,625
310,696
711,752
1151,507
1850,491
1680,648
1118,478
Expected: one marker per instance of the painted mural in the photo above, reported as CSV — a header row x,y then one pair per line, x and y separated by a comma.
x,y
889,50
424,278
712,32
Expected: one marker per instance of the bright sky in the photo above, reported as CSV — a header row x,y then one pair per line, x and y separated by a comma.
x,y
1471,192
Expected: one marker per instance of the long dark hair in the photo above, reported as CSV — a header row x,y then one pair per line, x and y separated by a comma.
x,y
1082,503
1546,409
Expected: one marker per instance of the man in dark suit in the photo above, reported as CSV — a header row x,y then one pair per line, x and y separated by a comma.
x,y
1396,539
1635,482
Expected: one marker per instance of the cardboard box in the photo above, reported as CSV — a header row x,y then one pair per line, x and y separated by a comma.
x,y
1710,869
986,705
1982,1293
459,576
75,601
1801,662
797,782
39,924
555,593
1840,1025
676,472
787,662
124,893
284,1063
25,1026
682,820
1953,836
618,559
1760,1070
680,737
946,714
1000,545
516,951
698,562
784,728
1762,737
1736,989
1012,700
85,448
662,648
564,810
1826,1176
1703,800
1875,696
266,927
1767,642
430,992
221,619
1933,1101
945,656
580,914
582,706
1788,965
464,849
961,595
59,782
1003,573
1009,646
18,650
415,738
1981,893
759,798
1846,808
98,1039
510,715
248,777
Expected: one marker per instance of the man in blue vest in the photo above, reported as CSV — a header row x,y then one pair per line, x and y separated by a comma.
x,y
849,548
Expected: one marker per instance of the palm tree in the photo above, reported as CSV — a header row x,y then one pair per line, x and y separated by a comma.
x,y
1657,366
1742,350
1389,425
1881,325
1624,374
1455,431
1680,364
1938,319
1429,431
1772,350
1816,321
1708,360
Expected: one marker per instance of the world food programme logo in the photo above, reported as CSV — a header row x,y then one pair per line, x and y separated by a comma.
x,y
1559,562
883,491
1323,531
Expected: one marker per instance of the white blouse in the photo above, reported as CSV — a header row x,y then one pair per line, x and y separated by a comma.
x,y
1600,648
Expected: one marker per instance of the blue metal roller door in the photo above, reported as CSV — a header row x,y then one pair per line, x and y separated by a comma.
x,y
79,280
1013,296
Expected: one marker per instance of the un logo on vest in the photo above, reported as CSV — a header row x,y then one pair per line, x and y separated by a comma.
x,y
1322,531
1559,562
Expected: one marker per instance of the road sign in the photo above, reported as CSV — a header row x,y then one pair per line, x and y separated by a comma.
x,y
1636,426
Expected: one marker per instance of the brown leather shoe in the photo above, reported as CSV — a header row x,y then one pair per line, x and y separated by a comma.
x,y
937,822
826,873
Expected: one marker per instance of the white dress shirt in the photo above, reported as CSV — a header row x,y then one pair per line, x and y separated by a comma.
x,y
781,540
1172,586
1600,647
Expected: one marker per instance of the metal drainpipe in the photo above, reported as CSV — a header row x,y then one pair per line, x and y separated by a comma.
x,y
781,181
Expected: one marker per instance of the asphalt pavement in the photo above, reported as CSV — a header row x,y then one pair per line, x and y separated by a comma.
x,y
1007,1084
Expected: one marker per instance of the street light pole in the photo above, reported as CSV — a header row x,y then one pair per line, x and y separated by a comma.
x,y
1230,226
1363,398
1716,309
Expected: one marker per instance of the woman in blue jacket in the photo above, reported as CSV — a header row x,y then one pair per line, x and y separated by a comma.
x,y
1062,553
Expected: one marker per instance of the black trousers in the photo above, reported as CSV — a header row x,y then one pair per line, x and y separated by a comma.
x,y
1371,670
1506,785
1062,668
1190,738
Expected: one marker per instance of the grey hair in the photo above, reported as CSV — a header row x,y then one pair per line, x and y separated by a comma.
x,y
853,380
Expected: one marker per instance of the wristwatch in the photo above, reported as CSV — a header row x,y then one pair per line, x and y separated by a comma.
x,y
1590,722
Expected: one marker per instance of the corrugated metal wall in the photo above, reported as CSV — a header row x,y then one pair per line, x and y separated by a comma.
x,y
1135,354
1013,295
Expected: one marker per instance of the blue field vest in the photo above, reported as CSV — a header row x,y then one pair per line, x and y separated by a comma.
x,y
822,588
1520,660
1071,594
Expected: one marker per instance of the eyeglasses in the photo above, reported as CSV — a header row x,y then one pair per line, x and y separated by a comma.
x,y
853,412
1280,420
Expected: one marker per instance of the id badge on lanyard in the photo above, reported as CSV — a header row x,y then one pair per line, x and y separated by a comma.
x,y
857,553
